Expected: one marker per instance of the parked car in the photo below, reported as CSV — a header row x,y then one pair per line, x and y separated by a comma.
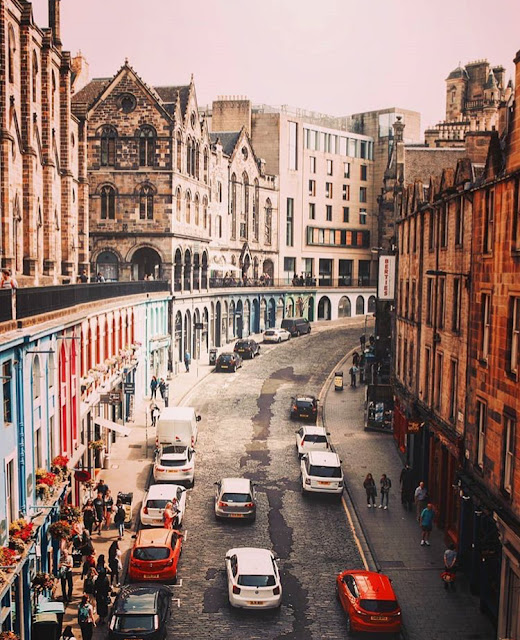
x,y
369,601
247,348
155,555
156,498
304,408
253,578
174,463
228,362
140,611
235,498
321,473
276,335
296,326
312,439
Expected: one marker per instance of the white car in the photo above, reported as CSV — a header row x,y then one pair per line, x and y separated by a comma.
x,y
235,498
174,463
312,439
253,578
321,473
156,498
276,335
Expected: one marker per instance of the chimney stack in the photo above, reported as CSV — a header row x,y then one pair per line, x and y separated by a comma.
x,y
54,21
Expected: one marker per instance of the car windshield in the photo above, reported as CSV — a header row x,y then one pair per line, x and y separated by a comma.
x,y
151,553
256,581
167,462
236,497
324,472
157,504
315,438
379,606
242,345
134,622
172,448
304,404
269,333
226,358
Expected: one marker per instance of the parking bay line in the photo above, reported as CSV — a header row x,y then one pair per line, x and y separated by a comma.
x,y
354,533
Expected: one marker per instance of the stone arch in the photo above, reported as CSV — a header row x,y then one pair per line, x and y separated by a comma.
x,y
231,319
107,263
187,271
324,308
187,332
271,313
289,308
310,313
280,308
372,304
204,272
344,307
255,316
177,270
360,306
146,261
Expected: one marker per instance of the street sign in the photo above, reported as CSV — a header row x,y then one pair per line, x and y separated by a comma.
x,y
114,397
386,279
199,325
129,387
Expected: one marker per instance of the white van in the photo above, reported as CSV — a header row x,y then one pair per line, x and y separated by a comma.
x,y
177,426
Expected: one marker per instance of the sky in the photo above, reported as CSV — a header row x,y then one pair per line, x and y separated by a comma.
x,y
332,56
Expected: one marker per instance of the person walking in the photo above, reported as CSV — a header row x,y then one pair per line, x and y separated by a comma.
x,y
86,547
154,413
102,592
109,509
406,482
100,564
114,562
119,519
65,573
371,490
162,388
86,618
426,523
153,387
99,509
353,372
89,516
169,515
8,281
421,499
68,634
187,360
385,484
450,567
101,487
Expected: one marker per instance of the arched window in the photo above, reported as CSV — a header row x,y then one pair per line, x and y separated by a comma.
x,y
179,151
197,161
219,226
197,210
372,304
34,76
233,205
188,207
244,217
53,93
256,206
360,306
108,203
146,203
36,376
188,157
206,165
108,146
205,212
179,204
11,53
268,221
146,146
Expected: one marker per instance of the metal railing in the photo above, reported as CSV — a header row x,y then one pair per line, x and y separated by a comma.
x,y
332,283
6,305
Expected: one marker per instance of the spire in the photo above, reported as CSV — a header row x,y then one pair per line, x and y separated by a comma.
x,y
491,81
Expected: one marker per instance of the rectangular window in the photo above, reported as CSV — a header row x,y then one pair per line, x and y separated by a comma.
x,y
10,482
346,214
516,218
481,432
364,273
325,269
362,216
289,230
329,167
328,189
515,334
427,369
454,365
444,225
7,379
362,194
407,299
489,221
457,301
438,381
405,360
414,233
312,187
289,265
412,301
346,169
312,211
441,289
429,301
485,315
312,164
345,273
509,454
363,172
328,212
38,448
431,234
346,192
293,146
410,366
459,219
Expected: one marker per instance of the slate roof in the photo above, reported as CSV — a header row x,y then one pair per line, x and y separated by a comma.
x,y
228,140
169,96
88,94
459,72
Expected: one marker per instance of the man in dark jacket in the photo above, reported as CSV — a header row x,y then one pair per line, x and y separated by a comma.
x,y
406,481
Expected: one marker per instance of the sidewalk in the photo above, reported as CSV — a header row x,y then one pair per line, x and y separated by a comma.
x,y
130,466
429,611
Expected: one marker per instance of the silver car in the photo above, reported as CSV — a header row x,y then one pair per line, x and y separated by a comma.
x,y
235,498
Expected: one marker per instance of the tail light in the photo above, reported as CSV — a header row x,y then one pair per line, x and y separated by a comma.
x,y
186,469
236,590
159,468
302,443
294,407
170,562
249,505
222,504
145,510
276,591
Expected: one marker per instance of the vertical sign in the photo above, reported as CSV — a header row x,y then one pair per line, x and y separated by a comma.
x,y
386,281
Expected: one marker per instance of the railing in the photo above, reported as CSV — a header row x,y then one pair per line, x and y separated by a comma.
x,y
218,283
6,307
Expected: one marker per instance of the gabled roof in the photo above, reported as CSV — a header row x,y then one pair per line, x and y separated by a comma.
x,y
228,140
170,95
86,96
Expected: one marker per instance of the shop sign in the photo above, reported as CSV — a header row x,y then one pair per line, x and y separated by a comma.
x,y
386,280
129,387
414,427
114,397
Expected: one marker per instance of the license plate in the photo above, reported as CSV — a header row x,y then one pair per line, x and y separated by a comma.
x,y
236,515
241,350
172,470
304,415
150,576
223,366
255,602
382,618
324,483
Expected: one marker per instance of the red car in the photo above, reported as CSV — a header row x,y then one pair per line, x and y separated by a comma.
x,y
369,601
155,555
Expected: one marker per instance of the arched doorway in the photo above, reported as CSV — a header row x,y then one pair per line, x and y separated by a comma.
x,y
225,323
187,332
107,264
177,271
204,278
324,308
289,308
372,304
187,271
231,320
195,350
205,330
239,324
196,271
247,318
178,335
255,316
146,262
280,306
246,265
310,314
268,268
360,306
271,313
344,307
218,325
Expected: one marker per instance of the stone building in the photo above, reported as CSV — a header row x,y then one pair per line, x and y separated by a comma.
x,y
44,192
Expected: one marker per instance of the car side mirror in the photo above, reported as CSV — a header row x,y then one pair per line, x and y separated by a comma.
x,y
328,433
276,559
228,557
199,418
216,484
305,456
297,431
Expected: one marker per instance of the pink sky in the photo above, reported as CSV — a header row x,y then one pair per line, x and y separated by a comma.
x,y
333,56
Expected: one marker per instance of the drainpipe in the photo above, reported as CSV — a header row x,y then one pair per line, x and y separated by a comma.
x,y
22,483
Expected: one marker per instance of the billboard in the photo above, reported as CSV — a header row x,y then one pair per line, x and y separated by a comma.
x,y
386,280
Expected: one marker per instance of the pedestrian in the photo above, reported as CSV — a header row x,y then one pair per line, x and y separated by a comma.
x,y
187,360
119,519
421,499
385,484
114,562
102,592
86,547
154,413
8,281
83,276
370,488
153,387
67,634
89,584
109,508
89,516
88,564
406,483
65,573
162,388
169,515
86,618
450,567
100,277
426,523
362,362
99,510
355,359
100,564
353,372
101,487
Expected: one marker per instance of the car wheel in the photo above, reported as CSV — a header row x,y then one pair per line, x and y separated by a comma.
x,y
297,334
308,330
304,493
279,340
234,369
351,633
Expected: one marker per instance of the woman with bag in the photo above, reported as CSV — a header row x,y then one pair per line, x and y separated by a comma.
x,y
371,491
114,562
89,516
65,573
109,508
86,618
102,591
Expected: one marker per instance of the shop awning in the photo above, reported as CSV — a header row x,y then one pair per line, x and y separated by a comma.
x,y
113,426
76,456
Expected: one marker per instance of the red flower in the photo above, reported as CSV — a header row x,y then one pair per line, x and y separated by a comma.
x,y
49,479
60,461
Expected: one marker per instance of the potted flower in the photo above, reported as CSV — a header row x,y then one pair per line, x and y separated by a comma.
x,y
42,582
17,545
70,514
60,462
8,557
60,530
96,445
43,491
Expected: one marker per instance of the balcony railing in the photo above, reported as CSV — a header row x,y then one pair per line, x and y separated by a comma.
x,y
346,281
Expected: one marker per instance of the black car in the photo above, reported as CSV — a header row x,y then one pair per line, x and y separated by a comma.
x,y
247,348
304,408
140,611
296,326
228,362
